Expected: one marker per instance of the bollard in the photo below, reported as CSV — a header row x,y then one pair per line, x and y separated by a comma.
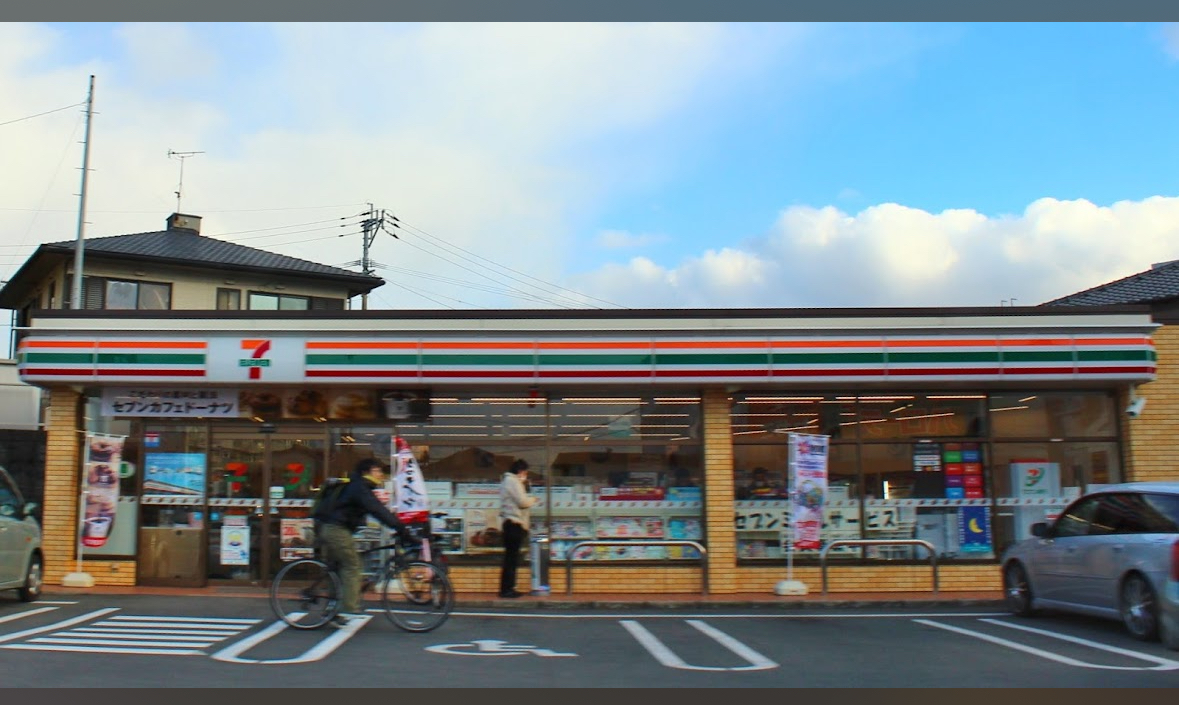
x,y
539,557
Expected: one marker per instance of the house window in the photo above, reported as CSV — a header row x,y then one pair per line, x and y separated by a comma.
x,y
278,302
50,295
229,299
121,294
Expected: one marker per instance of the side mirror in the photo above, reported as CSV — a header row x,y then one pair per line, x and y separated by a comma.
x,y
1040,529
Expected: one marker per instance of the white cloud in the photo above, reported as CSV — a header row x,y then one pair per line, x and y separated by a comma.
x,y
891,255
1170,34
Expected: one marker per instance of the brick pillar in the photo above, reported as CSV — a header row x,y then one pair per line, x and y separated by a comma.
x,y
718,494
1149,448
62,477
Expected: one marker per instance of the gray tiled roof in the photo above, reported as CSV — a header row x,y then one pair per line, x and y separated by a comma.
x,y
188,247
1159,283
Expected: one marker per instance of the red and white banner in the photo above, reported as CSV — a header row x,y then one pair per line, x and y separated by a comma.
x,y
409,487
808,471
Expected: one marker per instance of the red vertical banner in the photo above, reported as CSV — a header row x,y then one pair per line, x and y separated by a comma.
x,y
808,471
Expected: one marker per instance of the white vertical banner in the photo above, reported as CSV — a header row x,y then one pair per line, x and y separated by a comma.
x,y
409,487
808,474
410,501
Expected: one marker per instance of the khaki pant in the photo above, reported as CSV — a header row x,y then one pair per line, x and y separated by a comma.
x,y
340,548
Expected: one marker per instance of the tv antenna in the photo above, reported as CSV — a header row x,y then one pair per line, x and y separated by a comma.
x,y
180,186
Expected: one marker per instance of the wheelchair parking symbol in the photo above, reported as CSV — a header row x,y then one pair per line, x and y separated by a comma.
x,y
492,647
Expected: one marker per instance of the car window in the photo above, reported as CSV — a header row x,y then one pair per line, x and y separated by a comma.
x,y
1159,514
9,500
1118,514
1076,518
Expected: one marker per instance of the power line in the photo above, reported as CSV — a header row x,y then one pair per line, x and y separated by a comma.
x,y
47,112
518,293
398,223
513,293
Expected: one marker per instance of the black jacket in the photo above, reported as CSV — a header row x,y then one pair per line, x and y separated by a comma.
x,y
355,501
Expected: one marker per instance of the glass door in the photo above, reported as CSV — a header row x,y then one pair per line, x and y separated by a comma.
x,y
258,482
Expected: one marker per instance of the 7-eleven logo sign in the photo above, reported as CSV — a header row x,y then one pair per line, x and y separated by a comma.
x,y
257,360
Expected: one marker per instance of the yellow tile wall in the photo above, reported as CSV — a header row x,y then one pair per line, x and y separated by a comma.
x,y
1151,450
687,579
63,472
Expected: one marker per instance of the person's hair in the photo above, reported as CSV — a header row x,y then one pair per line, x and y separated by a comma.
x,y
367,465
520,465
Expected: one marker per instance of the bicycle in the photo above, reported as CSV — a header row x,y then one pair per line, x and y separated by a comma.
x,y
416,595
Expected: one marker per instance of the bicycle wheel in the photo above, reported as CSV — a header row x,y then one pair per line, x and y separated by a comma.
x,y
417,596
305,594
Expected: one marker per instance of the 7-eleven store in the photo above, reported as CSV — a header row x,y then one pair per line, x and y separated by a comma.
x,y
651,434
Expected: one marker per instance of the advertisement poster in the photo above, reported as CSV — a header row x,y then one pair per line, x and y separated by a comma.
x,y
174,474
100,484
1039,479
482,527
808,469
974,530
409,487
297,539
235,545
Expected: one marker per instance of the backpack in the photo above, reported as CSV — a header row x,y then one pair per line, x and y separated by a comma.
x,y
327,497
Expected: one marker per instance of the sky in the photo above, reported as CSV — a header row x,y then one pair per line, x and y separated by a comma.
x,y
617,165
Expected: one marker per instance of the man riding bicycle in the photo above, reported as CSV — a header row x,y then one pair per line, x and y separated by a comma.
x,y
335,525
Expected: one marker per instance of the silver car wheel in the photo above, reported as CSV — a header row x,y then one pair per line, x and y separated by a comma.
x,y
32,588
1017,590
1139,609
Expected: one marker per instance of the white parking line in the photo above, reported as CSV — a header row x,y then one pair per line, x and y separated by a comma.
x,y
56,625
669,658
705,615
1163,664
232,652
28,613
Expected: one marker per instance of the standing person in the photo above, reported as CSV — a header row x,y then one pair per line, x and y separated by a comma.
x,y
336,523
514,504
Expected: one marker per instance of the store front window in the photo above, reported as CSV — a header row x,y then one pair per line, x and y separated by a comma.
x,y
965,472
605,467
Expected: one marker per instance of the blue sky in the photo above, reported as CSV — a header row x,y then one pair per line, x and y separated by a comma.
x,y
664,165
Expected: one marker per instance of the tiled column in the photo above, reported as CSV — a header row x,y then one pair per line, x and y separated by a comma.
x,y
1149,447
62,475
718,494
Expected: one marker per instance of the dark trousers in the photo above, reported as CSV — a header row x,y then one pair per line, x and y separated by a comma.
x,y
514,536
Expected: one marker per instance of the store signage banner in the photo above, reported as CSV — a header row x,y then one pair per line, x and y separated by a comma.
x,y
100,482
412,504
808,470
170,402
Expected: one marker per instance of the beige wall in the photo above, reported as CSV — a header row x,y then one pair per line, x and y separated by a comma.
x,y
195,289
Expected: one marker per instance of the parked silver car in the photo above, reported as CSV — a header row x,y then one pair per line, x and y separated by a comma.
x,y
21,560
1112,553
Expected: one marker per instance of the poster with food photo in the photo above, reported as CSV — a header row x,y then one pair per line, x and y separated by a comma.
x,y
104,454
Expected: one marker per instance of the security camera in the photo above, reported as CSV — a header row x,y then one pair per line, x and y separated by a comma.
x,y
1134,410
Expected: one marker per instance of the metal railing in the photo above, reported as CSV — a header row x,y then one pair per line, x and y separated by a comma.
x,y
569,560
879,542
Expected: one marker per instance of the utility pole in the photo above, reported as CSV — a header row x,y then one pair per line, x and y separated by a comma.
x,y
76,299
370,225
180,187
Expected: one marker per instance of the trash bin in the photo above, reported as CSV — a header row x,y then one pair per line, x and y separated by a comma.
x,y
539,558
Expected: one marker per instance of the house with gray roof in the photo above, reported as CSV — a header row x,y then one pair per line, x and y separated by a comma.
x,y
1150,451
177,268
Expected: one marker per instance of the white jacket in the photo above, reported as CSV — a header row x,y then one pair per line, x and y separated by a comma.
x,y
514,500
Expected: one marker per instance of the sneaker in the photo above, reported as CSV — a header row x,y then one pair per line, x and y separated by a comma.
x,y
511,594
344,619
